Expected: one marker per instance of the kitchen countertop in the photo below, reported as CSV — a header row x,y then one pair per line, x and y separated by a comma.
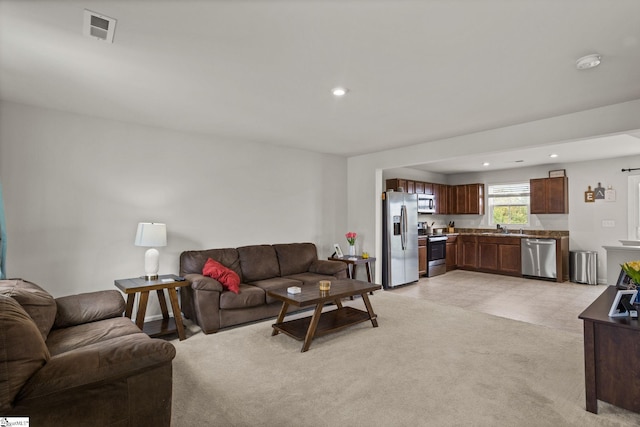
x,y
535,234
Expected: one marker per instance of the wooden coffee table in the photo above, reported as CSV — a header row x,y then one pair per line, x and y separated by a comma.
x,y
307,328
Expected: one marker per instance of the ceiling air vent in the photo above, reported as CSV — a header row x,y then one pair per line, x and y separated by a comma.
x,y
98,26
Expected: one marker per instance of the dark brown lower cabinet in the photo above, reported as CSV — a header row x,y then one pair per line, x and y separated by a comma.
x,y
468,252
509,258
452,253
487,255
422,256
490,254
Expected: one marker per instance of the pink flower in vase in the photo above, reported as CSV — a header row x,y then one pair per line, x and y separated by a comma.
x,y
351,237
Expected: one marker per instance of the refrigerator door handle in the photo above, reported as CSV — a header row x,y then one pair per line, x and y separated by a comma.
x,y
403,226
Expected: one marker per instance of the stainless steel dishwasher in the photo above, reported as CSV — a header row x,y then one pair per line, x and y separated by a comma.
x,y
539,258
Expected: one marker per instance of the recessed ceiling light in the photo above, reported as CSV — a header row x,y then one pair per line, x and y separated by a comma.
x,y
589,61
486,164
553,156
339,91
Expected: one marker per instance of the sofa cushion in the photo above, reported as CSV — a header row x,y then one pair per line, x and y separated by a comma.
x,y
258,262
192,262
295,257
273,284
222,274
249,296
96,371
22,350
88,307
67,339
37,302
330,268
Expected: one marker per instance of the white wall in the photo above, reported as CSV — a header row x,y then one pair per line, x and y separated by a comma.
x,y
586,227
75,188
365,172
414,174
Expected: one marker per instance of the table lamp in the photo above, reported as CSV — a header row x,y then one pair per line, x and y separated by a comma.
x,y
152,235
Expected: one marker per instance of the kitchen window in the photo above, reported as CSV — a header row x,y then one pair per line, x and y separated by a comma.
x,y
508,204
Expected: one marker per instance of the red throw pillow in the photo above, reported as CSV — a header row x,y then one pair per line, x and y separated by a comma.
x,y
222,274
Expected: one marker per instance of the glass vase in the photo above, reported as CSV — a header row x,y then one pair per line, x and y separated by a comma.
x,y
352,250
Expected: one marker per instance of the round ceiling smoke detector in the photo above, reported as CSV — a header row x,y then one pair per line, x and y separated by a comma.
x,y
589,61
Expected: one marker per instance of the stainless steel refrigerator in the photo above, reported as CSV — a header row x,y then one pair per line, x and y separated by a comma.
x,y
400,239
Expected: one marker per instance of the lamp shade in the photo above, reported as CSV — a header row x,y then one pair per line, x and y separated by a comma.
x,y
151,234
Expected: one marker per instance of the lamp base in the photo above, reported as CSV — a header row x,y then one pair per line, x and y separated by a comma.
x,y
151,264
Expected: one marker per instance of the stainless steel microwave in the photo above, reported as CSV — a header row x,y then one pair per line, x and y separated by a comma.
x,y
426,203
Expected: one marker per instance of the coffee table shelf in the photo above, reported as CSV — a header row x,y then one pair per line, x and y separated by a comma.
x,y
330,321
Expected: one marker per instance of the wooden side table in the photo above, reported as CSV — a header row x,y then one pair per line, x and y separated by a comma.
x,y
166,325
352,264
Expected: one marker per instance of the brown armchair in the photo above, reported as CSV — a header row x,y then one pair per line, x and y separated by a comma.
x,y
75,361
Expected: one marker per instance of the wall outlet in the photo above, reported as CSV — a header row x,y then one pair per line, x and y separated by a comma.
x,y
608,223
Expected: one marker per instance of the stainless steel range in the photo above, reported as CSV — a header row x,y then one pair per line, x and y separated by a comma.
x,y
436,255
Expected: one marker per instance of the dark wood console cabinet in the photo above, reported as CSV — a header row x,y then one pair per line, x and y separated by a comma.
x,y
611,356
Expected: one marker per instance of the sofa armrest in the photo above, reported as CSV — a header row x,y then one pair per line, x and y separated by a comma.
x,y
88,307
204,283
100,362
331,268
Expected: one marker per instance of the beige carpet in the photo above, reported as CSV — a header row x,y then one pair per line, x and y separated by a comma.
x,y
425,365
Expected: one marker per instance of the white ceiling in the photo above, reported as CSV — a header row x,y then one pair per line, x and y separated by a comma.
x,y
262,71
609,146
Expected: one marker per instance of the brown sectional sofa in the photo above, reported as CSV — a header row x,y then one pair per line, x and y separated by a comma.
x,y
260,268
76,361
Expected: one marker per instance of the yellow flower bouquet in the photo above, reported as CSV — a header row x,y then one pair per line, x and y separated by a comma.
x,y
632,269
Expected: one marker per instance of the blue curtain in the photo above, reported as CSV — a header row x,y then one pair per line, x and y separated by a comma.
x,y
3,240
